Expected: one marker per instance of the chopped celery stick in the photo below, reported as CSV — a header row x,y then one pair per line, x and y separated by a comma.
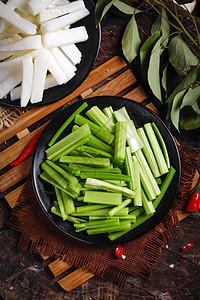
x,y
121,218
80,198
69,169
102,185
147,205
137,212
101,213
159,180
117,182
143,163
162,143
116,209
98,131
132,136
55,175
120,141
156,149
123,225
105,176
129,168
94,151
145,182
72,149
138,196
96,142
60,203
67,122
103,197
46,177
90,207
147,150
98,117
66,142
56,211
98,223
68,203
108,111
70,178
91,170
98,161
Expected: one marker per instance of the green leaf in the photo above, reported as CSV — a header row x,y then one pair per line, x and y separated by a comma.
x,y
196,107
189,119
184,1
131,40
124,9
162,27
101,8
191,96
164,79
145,52
156,25
180,55
175,111
154,70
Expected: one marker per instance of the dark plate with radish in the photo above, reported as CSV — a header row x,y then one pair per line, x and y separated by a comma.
x,y
129,216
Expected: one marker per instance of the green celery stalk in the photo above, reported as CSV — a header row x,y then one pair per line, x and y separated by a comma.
x,y
56,211
105,176
90,207
129,168
55,175
138,196
68,141
124,225
156,149
162,143
144,165
132,136
98,223
137,212
147,150
120,141
108,111
68,203
84,168
97,161
97,116
94,152
101,213
66,123
147,205
60,203
69,169
98,131
102,185
117,208
103,197
159,180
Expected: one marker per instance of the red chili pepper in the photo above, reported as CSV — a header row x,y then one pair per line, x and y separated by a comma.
x,y
187,246
29,149
119,252
193,203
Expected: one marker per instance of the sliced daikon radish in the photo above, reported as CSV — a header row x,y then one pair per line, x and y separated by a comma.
x,y
39,76
73,53
27,80
10,82
6,54
65,64
61,10
68,19
15,3
56,70
55,3
15,93
12,39
35,6
9,32
64,37
29,42
3,25
5,73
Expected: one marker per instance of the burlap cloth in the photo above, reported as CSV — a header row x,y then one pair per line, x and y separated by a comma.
x,y
39,235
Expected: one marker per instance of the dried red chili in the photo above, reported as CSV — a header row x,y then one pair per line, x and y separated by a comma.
x,y
29,149
187,246
119,252
193,203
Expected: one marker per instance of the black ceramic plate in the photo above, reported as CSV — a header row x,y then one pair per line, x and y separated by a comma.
x,y
89,51
141,115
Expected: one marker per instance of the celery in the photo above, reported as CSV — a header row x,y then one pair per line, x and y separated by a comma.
x,y
69,140
124,225
55,175
98,223
128,217
120,141
156,149
90,207
66,123
98,161
116,209
138,196
57,212
103,197
68,203
147,205
94,152
84,168
98,131
147,150
129,168
101,213
69,169
105,176
60,203
102,185
98,117
132,136
108,111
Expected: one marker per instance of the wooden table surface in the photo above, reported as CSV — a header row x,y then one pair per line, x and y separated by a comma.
x,y
175,276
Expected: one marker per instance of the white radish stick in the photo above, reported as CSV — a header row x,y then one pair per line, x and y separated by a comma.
x,y
29,42
58,23
27,79
35,6
7,54
39,76
12,39
5,73
72,52
56,70
13,18
15,3
64,37
57,11
10,82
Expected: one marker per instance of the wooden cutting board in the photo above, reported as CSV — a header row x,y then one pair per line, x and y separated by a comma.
x,y
111,78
